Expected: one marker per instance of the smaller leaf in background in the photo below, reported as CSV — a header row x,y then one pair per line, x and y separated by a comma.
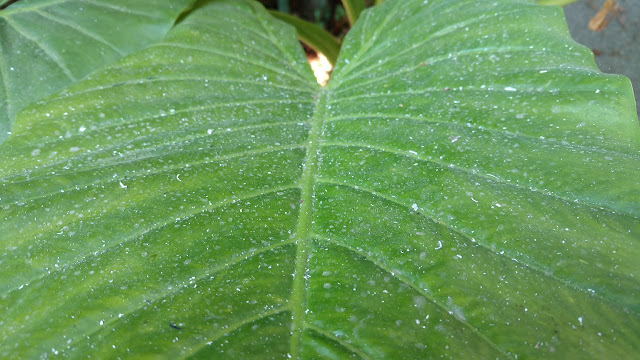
x,y
353,9
312,35
45,46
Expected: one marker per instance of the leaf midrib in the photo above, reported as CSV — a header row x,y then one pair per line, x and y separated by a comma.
x,y
303,236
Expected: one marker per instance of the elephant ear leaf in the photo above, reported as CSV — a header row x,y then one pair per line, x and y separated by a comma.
x,y
47,45
464,187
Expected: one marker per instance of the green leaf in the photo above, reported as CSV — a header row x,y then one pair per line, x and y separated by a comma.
x,y
46,45
464,187
314,36
353,8
555,2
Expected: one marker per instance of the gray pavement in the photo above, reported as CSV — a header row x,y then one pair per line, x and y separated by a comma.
x,y
617,47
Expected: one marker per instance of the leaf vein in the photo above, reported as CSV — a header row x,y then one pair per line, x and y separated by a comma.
x,y
451,28
5,82
405,280
119,9
467,52
364,47
497,251
278,45
482,128
179,111
338,340
226,55
212,29
176,79
80,30
104,181
158,226
50,53
453,167
231,328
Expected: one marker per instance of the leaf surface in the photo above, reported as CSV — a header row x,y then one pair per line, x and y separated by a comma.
x,y
47,44
465,187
